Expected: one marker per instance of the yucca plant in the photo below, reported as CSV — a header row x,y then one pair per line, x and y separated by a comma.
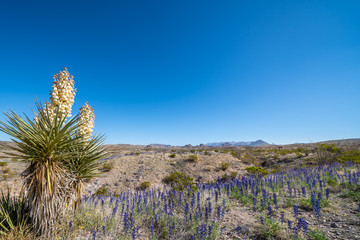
x,y
14,219
61,153
84,164
46,143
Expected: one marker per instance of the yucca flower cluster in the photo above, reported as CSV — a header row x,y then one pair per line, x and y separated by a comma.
x,y
87,120
63,93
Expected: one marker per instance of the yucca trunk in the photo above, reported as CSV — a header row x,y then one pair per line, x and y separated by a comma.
x,y
47,186
77,187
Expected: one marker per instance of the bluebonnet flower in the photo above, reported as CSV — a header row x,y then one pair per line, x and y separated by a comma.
x,y
238,229
102,203
275,201
94,235
319,195
303,191
296,211
327,192
270,213
254,203
317,208
313,200
305,226
70,225
186,210
134,233
126,222
289,225
104,230
218,212
282,218
261,219
115,210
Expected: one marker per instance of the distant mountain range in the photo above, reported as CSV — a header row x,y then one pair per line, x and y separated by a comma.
x,y
236,144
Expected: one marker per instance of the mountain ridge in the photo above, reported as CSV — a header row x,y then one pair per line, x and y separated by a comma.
x,y
236,144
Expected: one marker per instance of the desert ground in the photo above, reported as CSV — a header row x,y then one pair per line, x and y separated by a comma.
x,y
128,166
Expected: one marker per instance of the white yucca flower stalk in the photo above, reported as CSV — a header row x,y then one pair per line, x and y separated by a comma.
x,y
87,120
63,93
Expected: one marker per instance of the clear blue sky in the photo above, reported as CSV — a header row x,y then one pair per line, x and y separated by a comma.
x,y
180,72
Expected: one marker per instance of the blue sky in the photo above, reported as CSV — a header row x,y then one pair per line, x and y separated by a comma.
x,y
190,72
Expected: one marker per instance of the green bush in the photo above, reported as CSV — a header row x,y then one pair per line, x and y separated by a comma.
x,y
193,158
107,167
226,177
3,164
331,182
144,185
271,229
317,235
327,153
102,191
192,151
216,150
258,171
206,153
233,174
224,166
173,155
352,155
179,181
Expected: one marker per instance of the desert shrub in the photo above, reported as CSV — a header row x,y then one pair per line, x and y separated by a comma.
x,y
258,171
144,185
236,154
102,191
193,158
107,167
351,193
137,153
226,177
224,166
271,229
327,153
173,155
216,150
179,181
331,182
6,170
352,155
317,235
192,151
276,169
206,153
3,164
173,150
